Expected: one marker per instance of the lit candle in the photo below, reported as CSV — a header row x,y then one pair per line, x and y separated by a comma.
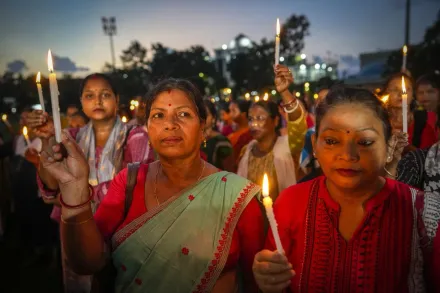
x,y
267,201
5,120
54,98
404,107
405,52
124,119
40,92
26,137
277,43
385,98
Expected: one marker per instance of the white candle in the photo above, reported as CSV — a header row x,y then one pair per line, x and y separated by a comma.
x,y
405,52
5,120
277,43
40,92
54,98
267,201
404,107
26,137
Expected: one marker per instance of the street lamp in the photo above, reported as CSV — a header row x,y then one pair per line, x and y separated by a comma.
x,y
109,27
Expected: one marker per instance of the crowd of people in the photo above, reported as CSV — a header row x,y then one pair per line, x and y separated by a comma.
x,y
170,201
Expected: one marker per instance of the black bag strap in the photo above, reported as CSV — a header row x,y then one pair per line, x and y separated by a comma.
x,y
420,119
133,169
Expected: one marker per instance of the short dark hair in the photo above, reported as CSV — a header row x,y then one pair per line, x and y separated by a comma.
x,y
339,95
271,108
98,75
429,79
211,108
185,86
82,115
242,105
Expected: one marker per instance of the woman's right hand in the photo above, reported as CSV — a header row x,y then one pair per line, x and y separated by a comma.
x,y
71,171
41,124
272,271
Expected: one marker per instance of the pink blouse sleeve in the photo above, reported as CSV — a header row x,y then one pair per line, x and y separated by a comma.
x,y
137,148
110,213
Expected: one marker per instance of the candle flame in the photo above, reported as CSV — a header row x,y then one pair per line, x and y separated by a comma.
x,y
403,86
38,77
25,131
124,119
265,185
405,50
4,117
49,61
278,27
385,98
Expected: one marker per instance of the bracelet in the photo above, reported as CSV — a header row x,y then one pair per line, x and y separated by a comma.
x,y
75,223
292,110
63,204
288,104
389,173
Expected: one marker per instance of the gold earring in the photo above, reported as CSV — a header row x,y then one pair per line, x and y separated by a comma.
x,y
204,143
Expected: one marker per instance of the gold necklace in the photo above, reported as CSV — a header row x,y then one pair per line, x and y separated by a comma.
x,y
157,174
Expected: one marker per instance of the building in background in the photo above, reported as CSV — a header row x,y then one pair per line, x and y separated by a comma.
x,y
371,72
224,55
310,72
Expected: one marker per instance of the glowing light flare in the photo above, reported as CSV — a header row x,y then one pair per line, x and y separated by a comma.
x,y
38,77
278,27
403,86
124,119
265,190
49,61
385,98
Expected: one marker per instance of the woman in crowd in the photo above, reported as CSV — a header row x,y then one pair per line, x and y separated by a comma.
x,y
107,144
216,147
225,123
269,152
241,136
351,230
422,129
189,226
428,92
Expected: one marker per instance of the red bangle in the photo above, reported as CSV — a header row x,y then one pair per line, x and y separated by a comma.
x,y
80,205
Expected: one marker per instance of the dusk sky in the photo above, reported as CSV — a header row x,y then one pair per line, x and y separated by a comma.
x,y
73,29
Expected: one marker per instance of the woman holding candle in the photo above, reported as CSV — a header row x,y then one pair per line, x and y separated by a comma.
x,y
351,230
269,152
422,130
200,223
107,144
216,147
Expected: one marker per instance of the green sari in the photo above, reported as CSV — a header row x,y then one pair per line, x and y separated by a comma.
x,y
183,244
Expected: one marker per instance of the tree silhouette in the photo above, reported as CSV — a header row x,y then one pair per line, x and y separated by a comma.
x,y
422,58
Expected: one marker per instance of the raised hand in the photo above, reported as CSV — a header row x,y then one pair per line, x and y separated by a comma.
x,y
40,123
283,78
272,271
71,171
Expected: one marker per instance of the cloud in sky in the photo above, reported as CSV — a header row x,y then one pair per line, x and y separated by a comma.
x,y
16,66
65,64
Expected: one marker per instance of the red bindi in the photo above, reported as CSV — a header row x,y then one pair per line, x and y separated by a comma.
x,y
169,105
348,131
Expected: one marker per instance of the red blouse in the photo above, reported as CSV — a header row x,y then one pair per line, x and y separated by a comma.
x,y
378,257
248,237
429,134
